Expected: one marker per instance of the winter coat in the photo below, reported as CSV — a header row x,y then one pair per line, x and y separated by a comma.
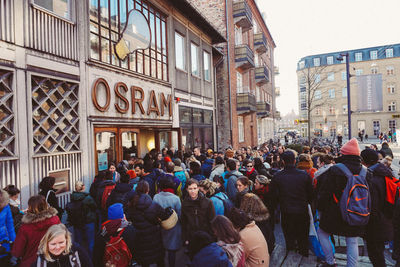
x,y
16,214
76,252
145,218
293,189
333,183
396,231
182,175
118,194
100,191
267,231
51,198
89,206
235,253
94,187
218,203
239,197
33,228
262,170
231,178
255,246
199,177
380,225
217,170
197,215
206,167
172,238
7,231
386,149
252,174
211,256
152,179
101,239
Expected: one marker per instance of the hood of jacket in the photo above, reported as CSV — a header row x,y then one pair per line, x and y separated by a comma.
x,y
209,162
40,218
322,170
144,202
105,183
78,196
219,166
382,170
385,145
235,172
178,169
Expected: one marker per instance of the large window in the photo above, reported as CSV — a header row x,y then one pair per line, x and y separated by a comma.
x,y
392,106
331,93
390,70
344,92
7,121
107,21
239,82
194,52
207,66
62,8
317,94
358,56
331,76
317,62
373,54
389,52
377,127
344,75
392,126
391,89
329,60
180,51
359,72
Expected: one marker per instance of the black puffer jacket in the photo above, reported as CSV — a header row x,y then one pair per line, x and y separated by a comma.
x,y
145,219
119,193
197,215
380,225
334,182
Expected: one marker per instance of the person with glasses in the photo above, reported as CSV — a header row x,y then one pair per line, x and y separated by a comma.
x,y
251,172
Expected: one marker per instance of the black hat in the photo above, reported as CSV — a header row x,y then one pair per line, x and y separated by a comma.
x,y
369,156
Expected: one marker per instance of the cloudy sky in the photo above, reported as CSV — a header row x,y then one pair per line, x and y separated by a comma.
x,y
306,27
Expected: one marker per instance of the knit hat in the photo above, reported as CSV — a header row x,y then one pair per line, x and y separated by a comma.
x,y
262,179
116,211
167,159
369,156
351,148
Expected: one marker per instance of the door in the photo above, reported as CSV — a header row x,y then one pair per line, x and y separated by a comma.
x,y
114,144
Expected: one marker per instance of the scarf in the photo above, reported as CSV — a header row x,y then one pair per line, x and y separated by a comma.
x,y
170,190
235,252
250,172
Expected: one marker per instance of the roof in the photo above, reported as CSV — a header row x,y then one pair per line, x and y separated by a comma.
x,y
198,19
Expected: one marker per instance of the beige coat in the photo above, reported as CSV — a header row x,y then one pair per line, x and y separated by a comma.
x,y
255,246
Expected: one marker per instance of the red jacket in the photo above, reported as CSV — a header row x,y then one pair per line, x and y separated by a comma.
x,y
33,228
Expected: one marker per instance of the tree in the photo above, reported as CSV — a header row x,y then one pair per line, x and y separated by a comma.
x,y
313,93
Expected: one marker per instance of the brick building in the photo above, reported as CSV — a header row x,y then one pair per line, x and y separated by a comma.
x,y
245,78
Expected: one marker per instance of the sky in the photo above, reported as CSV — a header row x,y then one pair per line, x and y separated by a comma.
x,y
306,27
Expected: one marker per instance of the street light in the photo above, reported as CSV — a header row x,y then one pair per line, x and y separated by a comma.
x,y
340,57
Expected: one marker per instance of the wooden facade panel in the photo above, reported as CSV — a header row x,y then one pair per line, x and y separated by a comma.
x,y
7,20
52,34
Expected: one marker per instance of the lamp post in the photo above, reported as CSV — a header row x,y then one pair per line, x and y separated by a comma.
x,y
348,89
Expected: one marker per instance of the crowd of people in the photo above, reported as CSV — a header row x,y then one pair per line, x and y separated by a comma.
x,y
220,208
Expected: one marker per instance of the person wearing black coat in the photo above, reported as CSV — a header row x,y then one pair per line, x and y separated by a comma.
x,y
331,221
380,225
119,192
294,192
260,168
146,215
47,190
396,233
99,197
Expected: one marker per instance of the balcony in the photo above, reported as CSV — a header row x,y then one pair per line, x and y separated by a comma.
x,y
244,57
263,109
262,75
242,16
260,43
277,91
246,102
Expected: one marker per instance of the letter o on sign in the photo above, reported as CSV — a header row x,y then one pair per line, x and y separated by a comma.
x,y
99,82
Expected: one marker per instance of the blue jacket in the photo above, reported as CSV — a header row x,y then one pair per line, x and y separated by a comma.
x,y
211,256
206,168
199,177
7,231
231,189
218,203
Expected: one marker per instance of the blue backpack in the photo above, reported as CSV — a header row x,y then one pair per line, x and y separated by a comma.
x,y
228,205
182,177
355,203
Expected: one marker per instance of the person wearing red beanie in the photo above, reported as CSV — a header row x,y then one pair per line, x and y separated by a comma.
x,y
351,148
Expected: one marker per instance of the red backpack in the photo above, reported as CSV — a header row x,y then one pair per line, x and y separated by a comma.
x,y
106,194
117,253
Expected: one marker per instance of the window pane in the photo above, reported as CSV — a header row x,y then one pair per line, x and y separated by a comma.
x,y
60,7
195,62
179,51
94,46
206,61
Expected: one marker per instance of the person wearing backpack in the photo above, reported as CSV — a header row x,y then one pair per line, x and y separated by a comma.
x,y
115,241
180,173
104,190
210,190
81,213
120,190
49,193
380,225
231,177
330,195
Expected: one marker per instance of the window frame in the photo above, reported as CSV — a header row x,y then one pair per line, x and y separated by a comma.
x,y
392,106
358,56
330,76
373,54
344,89
329,60
390,70
183,54
359,72
205,54
331,93
71,9
391,89
316,59
240,129
318,95
194,45
389,52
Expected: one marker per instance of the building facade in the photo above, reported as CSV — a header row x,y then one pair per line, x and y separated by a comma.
x,y
246,110
374,92
71,105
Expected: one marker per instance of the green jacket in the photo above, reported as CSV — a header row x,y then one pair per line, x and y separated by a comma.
x,y
89,205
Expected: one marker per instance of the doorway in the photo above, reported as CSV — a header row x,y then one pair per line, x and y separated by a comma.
x,y
114,144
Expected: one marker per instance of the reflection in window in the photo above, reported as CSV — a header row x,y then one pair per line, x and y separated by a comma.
x,y
107,22
194,52
206,62
179,51
61,8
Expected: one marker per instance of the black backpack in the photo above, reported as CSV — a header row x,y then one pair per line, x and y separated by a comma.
x,y
76,213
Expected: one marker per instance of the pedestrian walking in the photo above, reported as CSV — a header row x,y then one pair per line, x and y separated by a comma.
x,y
7,231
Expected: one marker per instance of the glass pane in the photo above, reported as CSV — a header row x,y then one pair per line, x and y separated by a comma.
x,y
164,140
185,115
197,115
208,116
129,145
179,51
187,137
94,46
194,56
208,138
104,12
60,7
106,150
